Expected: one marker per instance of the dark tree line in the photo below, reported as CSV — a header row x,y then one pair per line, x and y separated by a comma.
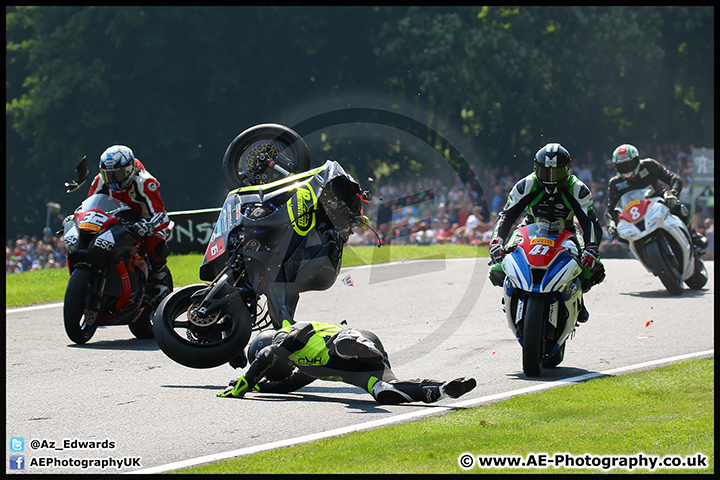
x,y
177,84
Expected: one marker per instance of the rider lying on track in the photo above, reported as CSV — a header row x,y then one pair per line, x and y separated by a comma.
x,y
296,355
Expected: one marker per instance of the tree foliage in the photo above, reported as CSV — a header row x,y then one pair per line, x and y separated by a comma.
x,y
177,84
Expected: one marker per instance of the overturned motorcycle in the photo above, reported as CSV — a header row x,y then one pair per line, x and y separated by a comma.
x,y
282,232
660,241
108,269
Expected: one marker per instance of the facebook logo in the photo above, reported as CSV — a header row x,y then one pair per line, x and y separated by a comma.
x,y
17,444
17,462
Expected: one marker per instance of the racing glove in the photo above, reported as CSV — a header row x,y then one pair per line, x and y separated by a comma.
x,y
671,200
496,250
612,230
238,388
590,256
143,228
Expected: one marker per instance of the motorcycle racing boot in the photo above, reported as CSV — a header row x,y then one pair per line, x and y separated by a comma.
x,y
432,390
157,285
583,314
459,387
699,241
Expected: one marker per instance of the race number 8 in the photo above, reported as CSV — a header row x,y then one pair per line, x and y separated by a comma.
x,y
634,213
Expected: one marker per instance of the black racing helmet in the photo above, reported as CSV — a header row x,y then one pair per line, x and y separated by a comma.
x,y
277,372
553,166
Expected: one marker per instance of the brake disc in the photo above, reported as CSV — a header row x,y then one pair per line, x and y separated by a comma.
x,y
258,154
200,321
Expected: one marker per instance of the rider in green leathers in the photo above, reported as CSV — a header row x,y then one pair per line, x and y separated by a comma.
x,y
551,194
288,359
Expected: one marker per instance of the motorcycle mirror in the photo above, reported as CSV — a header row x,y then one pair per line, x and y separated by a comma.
x,y
81,172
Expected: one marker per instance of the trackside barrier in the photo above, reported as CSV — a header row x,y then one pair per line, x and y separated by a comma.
x,y
192,230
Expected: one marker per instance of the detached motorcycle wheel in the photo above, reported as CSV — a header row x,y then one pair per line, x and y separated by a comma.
x,y
76,298
199,347
664,266
533,344
257,145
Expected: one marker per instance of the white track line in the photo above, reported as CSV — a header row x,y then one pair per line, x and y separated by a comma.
x,y
413,415
34,307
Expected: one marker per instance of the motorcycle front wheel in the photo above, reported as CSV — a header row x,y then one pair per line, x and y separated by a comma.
x,y
533,345
665,267
76,298
193,345
247,158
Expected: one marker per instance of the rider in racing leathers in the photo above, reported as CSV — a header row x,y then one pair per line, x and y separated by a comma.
x,y
633,174
552,194
288,359
122,176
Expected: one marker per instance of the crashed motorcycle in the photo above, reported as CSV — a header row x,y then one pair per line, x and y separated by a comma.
x,y
660,241
108,269
274,238
542,292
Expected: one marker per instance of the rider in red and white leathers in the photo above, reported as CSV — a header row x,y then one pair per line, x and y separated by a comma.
x,y
124,177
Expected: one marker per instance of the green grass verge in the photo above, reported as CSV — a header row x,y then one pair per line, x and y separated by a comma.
x,y
667,411
45,286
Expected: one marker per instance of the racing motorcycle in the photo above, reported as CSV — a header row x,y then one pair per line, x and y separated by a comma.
x,y
542,292
280,232
660,241
108,270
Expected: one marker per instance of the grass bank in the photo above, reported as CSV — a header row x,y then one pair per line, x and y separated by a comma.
x,y
46,286
657,413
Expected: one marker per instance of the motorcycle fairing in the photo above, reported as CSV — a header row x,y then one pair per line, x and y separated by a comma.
x,y
541,264
635,210
642,226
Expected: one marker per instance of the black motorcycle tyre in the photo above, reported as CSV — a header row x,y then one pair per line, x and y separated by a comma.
x,y
190,354
76,297
143,328
663,269
533,348
300,153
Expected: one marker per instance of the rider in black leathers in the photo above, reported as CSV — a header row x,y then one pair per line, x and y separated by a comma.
x,y
635,173
288,359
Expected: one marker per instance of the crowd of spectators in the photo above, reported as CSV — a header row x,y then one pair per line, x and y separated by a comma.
x,y
462,214
432,211
35,253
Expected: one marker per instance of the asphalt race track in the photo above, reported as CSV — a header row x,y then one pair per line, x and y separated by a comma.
x,y
437,319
